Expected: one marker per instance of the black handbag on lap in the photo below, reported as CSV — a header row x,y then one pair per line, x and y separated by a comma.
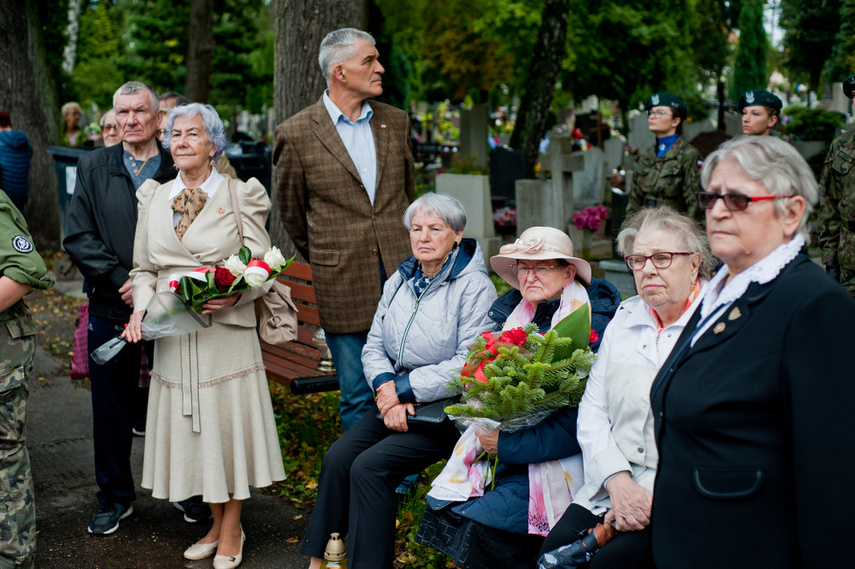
x,y
433,412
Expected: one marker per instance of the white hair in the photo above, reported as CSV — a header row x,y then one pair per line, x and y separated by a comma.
x,y
214,127
134,87
773,163
447,208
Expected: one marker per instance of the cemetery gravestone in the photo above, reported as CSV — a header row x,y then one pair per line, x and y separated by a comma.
x,y
473,134
474,193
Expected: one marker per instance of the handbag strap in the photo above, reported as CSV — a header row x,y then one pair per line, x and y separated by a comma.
x,y
236,207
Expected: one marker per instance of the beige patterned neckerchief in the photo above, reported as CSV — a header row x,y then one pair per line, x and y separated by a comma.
x,y
188,203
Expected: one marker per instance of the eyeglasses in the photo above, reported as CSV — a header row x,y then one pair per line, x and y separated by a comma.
x,y
107,127
539,271
658,112
660,260
733,202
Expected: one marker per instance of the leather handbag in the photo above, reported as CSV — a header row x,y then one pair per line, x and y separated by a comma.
x,y
275,312
433,412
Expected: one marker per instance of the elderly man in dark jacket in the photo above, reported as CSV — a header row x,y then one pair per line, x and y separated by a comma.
x,y
102,219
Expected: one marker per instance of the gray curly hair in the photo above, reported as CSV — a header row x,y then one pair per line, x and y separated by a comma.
x,y
213,125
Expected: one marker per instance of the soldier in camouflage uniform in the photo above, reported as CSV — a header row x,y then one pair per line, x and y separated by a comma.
x,y
837,210
22,268
669,173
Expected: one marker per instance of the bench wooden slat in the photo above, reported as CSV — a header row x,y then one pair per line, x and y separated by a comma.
x,y
301,291
300,271
295,364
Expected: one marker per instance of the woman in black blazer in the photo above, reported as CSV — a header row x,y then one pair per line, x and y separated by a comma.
x,y
753,407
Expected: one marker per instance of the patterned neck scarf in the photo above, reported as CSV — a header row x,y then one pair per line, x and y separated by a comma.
x,y
188,203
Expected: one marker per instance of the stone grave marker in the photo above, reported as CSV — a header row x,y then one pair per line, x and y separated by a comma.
x,y
473,191
473,134
506,167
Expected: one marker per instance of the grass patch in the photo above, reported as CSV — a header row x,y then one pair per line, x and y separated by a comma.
x,y
308,425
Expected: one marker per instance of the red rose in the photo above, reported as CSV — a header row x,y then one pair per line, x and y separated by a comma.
x,y
223,278
594,336
514,336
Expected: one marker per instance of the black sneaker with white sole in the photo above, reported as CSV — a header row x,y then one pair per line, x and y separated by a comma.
x,y
106,521
195,510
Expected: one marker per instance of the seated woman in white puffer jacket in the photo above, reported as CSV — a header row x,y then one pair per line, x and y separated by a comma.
x,y
431,310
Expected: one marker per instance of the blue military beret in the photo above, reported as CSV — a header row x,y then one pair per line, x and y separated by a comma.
x,y
849,86
667,100
759,97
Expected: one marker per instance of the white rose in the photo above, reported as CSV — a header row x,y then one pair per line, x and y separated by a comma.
x,y
255,277
274,258
234,265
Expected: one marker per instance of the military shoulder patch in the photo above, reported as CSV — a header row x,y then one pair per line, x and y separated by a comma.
x,y
21,244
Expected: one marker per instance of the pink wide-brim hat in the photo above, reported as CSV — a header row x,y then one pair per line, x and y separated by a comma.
x,y
537,244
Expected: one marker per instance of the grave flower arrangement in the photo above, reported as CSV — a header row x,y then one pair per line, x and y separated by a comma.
x,y
239,273
516,378
591,217
505,220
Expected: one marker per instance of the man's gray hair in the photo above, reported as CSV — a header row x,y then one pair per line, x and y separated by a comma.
x,y
213,125
447,208
688,233
134,87
104,116
773,163
338,46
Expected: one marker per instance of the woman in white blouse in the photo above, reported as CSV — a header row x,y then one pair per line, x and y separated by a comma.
x,y
670,260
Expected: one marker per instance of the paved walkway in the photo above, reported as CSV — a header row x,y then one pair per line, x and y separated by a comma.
x,y
59,430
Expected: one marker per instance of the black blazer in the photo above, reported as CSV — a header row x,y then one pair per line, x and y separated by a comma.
x,y
755,430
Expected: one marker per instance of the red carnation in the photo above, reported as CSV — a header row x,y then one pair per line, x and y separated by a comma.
x,y
594,336
223,278
514,336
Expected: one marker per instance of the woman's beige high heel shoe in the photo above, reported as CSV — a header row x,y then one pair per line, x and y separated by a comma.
x,y
226,562
201,550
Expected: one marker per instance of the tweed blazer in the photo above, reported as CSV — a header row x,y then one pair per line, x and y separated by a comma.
x,y
212,237
328,215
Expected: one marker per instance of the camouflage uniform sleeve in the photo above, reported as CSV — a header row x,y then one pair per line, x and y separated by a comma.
x,y
829,220
19,259
635,192
692,183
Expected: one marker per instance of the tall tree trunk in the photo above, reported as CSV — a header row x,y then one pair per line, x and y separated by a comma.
x,y
545,65
22,71
197,85
300,26
71,33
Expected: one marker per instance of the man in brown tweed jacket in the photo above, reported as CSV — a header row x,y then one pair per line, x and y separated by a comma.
x,y
345,176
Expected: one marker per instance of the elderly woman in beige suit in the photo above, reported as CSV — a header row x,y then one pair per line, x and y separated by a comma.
x,y
210,430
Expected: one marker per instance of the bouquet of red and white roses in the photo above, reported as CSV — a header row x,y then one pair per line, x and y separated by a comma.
x,y
239,273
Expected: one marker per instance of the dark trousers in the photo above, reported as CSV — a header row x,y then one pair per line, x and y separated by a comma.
x,y
114,401
356,490
627,550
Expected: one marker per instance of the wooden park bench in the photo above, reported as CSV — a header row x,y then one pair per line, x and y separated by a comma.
x,y
295,364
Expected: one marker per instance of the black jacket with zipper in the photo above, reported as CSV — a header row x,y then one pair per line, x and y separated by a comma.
x,y
102,221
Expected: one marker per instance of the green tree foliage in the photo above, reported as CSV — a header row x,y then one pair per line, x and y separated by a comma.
x,y
811,28
96,75
462,47
147,40
625,50
749,66
841,64
711,48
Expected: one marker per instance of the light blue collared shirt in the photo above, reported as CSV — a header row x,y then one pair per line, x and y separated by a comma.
x,y
359,142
